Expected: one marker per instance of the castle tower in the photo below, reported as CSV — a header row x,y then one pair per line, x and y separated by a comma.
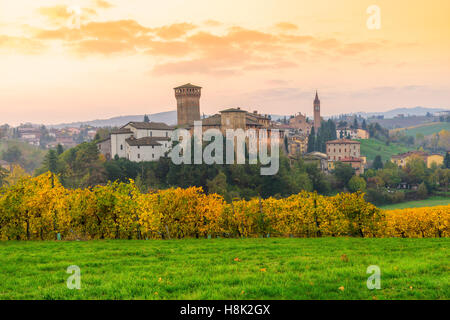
x,y
188,103
317,118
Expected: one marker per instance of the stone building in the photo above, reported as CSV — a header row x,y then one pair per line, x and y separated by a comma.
x,y
301,124
345,151
188,103
345,133
402,159
317,118
138,141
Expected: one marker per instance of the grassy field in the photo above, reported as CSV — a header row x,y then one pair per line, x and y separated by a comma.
x,y
324,268
372,147
430,202
427,129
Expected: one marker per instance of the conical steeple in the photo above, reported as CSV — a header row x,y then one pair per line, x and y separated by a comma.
x,y
317,97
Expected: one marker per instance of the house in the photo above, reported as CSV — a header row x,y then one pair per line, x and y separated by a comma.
x,y
345,151
402,159
353,134
138,141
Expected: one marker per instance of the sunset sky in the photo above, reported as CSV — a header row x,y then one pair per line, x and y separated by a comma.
x,y
125,56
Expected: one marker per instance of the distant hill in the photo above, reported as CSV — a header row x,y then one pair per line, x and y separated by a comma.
x,y
169,117
416,111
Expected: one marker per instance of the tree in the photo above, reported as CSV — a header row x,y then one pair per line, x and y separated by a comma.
x,y
59,149
12,154
343,173
51,161
357,184
218,184
377,163
364,125
422,191
311,140
447,161
146,119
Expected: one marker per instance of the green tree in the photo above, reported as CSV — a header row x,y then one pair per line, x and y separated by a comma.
x,y
447,161
59,149
422,191
51,161
218,184
311,140
357,184
12,154
377,163
343,173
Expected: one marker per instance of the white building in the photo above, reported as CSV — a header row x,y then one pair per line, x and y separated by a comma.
x,y
139,141
353,134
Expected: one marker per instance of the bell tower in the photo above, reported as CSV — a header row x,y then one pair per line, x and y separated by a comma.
x,y
188,103
317,118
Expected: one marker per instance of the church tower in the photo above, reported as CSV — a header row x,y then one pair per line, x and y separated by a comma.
x,y
317,118
188,103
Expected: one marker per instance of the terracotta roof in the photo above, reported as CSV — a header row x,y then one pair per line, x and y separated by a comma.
x,y
410,153
249,121
121,131
214,120
351,159
146,141
188,85
149,125
343,141
233,110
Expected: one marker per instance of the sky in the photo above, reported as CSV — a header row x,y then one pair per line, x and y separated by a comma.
x,y
75,60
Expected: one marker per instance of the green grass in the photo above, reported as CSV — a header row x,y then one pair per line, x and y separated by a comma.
x,y
372,147
427,130
430,202
206,269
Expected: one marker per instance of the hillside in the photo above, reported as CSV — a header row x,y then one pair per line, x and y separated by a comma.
x,y
426,129
372,147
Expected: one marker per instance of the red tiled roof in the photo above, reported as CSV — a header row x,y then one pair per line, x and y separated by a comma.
x,y
343,141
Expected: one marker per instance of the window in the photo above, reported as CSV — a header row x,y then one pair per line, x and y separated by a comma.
x,y
139,155
139,147
167,134
121,147
151,133
153,156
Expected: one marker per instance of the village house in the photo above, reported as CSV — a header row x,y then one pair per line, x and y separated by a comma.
x,y
353,134
402,159
138,141
345,151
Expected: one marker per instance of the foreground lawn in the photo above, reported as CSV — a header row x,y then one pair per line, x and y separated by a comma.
x,y
326,268
430,202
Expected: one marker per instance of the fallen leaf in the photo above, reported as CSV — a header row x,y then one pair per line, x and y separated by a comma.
x,y
344,258
263,270
341,288
156,293
159,280
236,259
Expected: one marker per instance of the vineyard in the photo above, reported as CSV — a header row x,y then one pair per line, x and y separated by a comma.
x,y
40,208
